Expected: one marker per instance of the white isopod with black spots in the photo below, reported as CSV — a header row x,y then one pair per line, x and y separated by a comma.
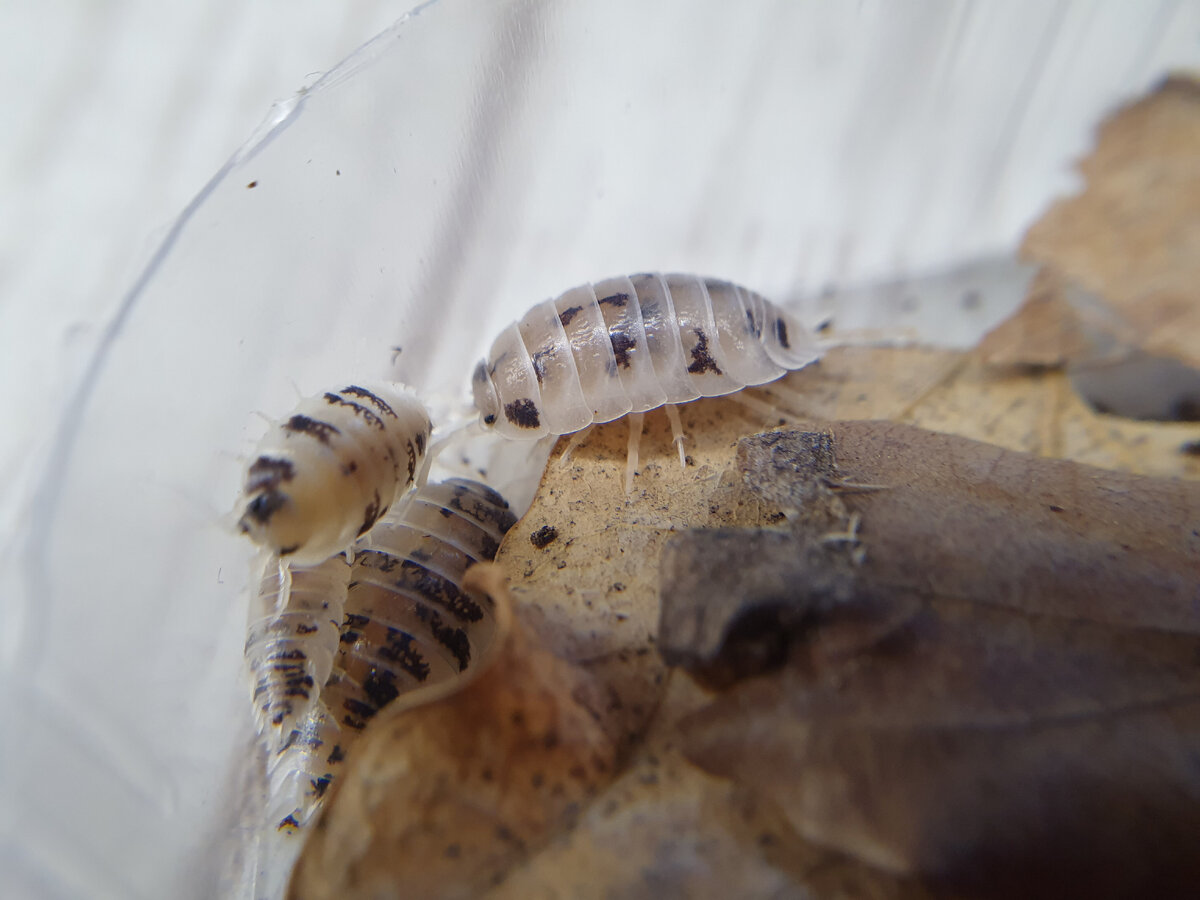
x,y
295,621
322,477
631,344
404,623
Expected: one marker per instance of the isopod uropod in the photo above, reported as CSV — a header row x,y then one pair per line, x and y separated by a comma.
x,y
407,623
322,477
632,344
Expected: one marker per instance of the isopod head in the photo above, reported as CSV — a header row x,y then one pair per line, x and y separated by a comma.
x,y
484,390
323,476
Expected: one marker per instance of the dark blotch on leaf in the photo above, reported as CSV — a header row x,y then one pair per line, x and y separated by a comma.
x,y
544,536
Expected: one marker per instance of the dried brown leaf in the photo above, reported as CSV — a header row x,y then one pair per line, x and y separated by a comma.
x,y
957,393
584,565
1001,697
440,800
667,829
1133,236
1045,332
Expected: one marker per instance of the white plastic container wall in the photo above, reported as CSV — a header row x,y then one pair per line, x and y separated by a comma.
x,y
471,161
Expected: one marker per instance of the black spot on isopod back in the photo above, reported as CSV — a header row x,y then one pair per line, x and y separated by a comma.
x,y
701,360
618,299
351,721
374,399
489,419
523,413
569,313
380,688
781,333
622,343
322,431
371,514
411,449
453,639
263,507
420,442
402,649
350,468
320,785
359,410
483,509
544,536
413,578
336,755
360,712
463,486
752,324
267,472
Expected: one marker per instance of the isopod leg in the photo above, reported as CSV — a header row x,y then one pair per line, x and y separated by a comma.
x,y
677,432
635,440
573,444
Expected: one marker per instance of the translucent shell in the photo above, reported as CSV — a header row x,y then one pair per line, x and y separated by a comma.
x,y
631,344
322,477
292,641
406,623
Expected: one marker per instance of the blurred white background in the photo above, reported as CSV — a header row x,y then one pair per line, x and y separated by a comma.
x,y
915,133
115,115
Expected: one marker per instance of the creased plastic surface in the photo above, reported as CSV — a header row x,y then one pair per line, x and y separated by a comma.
x,y
466,164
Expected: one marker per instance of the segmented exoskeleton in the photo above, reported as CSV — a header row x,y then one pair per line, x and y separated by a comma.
x,y
407,624
632,344
292,641
324,476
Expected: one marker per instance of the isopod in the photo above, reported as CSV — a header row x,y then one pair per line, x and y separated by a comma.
x,y
631,344
292,641
322,477
407,624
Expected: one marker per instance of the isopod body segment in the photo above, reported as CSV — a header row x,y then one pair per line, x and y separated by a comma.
x,y
292,641
322,477
404,623
408,621
630,344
